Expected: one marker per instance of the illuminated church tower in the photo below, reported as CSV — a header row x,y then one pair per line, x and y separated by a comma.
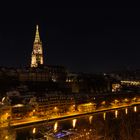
x,y
37,53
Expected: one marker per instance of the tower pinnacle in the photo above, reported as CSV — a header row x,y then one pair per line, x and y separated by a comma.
x,y
37,27
37,37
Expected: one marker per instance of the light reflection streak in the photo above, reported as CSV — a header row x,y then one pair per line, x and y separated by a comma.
x,y
104,115
116,113
90,119
135,109
74,122
55,126
34,130
126,111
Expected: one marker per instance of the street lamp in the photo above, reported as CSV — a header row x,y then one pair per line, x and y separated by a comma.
x,y
103,103
126,100
55,110
116,101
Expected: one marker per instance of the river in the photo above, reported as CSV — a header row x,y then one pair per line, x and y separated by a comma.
x,y
120,124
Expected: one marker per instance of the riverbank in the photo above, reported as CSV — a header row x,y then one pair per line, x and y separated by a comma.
x,y
35,120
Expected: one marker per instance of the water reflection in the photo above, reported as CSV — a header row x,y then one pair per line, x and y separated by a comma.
x,y
55,126
74,122
7,134
126,111
116,113
90,119
122,128
104,115
34,130
135,109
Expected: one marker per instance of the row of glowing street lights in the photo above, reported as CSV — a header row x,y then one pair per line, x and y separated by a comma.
x,y
103,103
116,101
56,109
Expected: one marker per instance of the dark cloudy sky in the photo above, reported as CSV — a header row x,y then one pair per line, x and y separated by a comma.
x,y
82,39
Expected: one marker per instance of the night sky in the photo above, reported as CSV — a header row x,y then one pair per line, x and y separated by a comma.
x,y
82,39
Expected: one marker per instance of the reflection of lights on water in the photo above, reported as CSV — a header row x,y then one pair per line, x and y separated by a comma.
x,y
3,99
126,111
74,122
55,126
90,119
135,109
116,113
104,115
34,130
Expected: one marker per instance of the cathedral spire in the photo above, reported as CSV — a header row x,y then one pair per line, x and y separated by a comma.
x,y
37,37
37,53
